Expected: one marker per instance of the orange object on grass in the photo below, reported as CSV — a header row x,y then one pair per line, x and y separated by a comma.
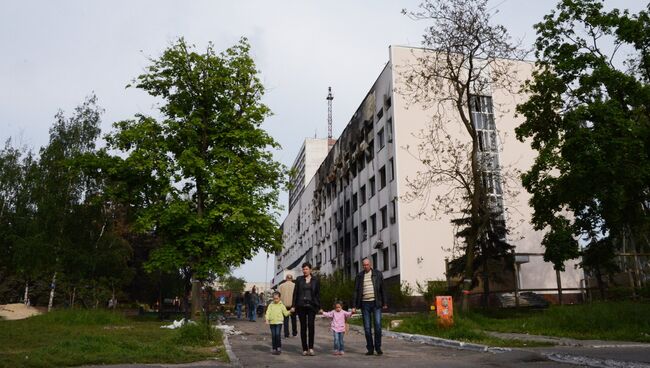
x,y
445,310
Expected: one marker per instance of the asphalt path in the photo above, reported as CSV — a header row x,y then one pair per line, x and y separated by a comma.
x,y
253,349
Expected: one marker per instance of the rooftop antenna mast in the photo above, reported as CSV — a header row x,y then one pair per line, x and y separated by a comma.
x,y
329,112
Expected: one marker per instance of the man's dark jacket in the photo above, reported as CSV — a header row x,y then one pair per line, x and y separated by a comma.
x,y
298,293
377,284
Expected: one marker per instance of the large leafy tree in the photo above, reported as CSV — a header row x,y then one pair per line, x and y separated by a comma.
x,y
212,181
588,117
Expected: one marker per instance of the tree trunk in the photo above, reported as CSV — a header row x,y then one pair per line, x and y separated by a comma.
x,y
559,286
52,288
74,291
475,225
601,283
26,296
486,281
196,299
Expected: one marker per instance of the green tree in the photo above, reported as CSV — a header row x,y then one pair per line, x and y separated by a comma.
x,y
588,118
235,284
216,182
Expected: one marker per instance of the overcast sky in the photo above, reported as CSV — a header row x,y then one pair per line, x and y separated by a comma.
x,y
54,53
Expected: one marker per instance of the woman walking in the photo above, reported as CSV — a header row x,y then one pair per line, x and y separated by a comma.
x,y
306,302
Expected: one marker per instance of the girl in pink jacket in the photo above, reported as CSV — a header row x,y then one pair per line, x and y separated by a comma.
x,y
338,316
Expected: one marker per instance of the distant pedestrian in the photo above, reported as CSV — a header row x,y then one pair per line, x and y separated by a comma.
x,y
275,314
286,289
370,297
306,301
339,317
239,301
247,303
252,305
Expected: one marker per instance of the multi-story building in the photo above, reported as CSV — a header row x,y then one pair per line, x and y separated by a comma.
x,y
353,206
311,155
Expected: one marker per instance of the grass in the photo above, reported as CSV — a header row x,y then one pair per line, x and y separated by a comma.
x,y
623,321
464,329
79,337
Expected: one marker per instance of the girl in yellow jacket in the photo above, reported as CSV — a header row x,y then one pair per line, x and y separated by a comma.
x,y
275,313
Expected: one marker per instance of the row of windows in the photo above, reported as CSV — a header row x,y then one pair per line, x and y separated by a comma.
x,y
387,262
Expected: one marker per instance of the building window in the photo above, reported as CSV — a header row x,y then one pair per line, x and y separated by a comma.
x,y
355,236
394,258
347,208
380,138
370,153
382,177
388,103
354,203
364,230
384,256
371,184
483,120
384,217
392,211
391,170
362,194
356,267
380,113
361,163
389,130
373,225
374,260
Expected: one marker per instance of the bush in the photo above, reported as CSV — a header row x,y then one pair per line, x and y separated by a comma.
x,y
196,334
400,295
432,289
336,287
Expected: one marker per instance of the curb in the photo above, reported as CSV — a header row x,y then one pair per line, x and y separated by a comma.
x,y
438,341
234,361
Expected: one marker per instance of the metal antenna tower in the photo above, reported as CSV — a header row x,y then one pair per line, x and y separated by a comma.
x,y
329,112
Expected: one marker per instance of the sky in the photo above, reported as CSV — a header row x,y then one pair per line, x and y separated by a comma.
x,y
55,53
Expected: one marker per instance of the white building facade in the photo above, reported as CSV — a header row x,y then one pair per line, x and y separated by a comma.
x,y
353,206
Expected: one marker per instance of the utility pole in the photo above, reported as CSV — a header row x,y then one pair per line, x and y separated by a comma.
x,y
329,112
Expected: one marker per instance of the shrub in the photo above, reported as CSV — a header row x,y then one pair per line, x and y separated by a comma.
x,y
335,287
432,289
196,334
400,295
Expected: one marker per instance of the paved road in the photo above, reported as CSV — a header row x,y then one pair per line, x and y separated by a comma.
x,y
253,348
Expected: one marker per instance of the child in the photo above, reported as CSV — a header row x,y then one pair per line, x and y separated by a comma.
x,y
338,316
275,314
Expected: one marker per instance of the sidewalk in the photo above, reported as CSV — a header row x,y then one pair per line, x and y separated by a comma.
x,y
253,347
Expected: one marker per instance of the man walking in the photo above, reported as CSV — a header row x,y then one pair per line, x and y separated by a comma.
x,y
286,290
370,297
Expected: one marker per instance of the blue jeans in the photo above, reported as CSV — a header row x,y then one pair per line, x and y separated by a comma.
x,y
294,329
238,310
371,316
338,341
276,338
252,312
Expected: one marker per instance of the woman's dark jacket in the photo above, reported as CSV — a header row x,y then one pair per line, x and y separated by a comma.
x,y
298,293
377,284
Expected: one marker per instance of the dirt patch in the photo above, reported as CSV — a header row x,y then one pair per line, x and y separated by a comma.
x,y
17,311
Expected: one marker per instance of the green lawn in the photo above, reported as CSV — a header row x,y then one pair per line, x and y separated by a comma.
x,y
78,337
463,330
624,321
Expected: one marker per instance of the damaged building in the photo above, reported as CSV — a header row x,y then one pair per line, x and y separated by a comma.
x,y
351,204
